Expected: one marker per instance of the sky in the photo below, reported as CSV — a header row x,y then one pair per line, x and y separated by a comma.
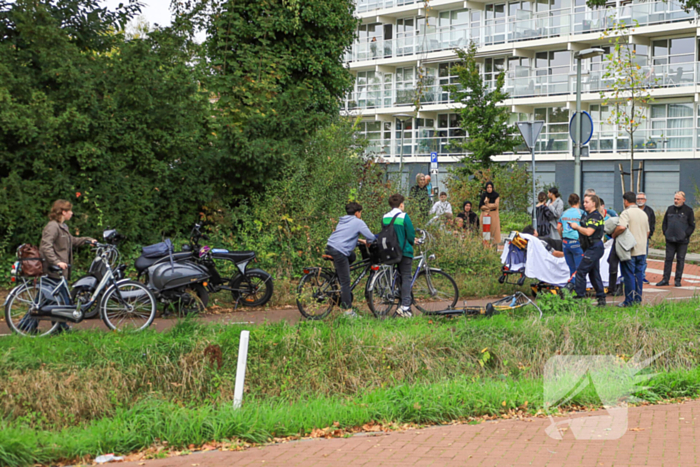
x,y
155,11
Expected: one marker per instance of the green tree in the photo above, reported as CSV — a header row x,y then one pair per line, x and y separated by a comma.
x,y
117,126
483,116
276,69
628,93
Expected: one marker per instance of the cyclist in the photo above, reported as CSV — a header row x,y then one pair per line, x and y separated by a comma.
x,y
341,245
406,235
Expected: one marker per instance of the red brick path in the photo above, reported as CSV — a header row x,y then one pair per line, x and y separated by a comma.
x,y
662,435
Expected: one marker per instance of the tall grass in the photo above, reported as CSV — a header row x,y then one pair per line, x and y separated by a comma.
x,y
57,382
153,420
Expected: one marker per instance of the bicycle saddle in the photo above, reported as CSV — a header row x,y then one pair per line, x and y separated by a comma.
x,y
54,268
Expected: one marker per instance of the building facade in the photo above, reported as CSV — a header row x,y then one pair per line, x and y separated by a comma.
x,y
405,52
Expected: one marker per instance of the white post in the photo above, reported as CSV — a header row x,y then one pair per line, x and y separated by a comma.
x,y
240,371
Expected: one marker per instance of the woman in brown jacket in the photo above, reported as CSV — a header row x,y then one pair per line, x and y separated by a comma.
x,y
57,242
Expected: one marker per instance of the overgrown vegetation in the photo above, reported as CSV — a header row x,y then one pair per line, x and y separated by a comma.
x,y
53,383
93,392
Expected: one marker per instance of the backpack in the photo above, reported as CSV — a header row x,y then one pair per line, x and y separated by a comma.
x,y
543,225
388,244
31,262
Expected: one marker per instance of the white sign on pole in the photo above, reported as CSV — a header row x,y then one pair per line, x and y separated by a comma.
x,y
530,131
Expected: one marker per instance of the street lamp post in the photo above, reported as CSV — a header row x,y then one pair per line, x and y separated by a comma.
x,y
583,54
402,118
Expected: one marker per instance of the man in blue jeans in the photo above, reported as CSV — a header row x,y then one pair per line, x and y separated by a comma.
x,y
341,246
570,242
637,222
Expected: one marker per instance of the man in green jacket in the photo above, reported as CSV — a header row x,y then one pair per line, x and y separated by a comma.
x,y
406,235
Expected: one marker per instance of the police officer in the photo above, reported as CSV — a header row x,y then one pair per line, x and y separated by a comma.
x,y
592,226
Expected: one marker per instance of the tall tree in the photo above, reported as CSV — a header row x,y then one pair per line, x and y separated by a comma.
x,y
117,126
278,75
628,92
483,116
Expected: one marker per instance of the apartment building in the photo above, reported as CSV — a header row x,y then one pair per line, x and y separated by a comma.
x,y
405,51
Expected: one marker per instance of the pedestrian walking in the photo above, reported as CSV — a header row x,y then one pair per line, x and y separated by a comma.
x,y
489,205
636,222
678,226
556,206
642,203
591,227
571,244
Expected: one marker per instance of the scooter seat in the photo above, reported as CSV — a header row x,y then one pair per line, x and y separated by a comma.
x,y
235,256
142,263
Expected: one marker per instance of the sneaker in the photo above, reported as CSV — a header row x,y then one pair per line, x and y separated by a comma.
x,y
601,302
645,280
404,312
351,314
663,283
678,284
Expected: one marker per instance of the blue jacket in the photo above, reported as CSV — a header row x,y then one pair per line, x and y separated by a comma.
x,y
348,230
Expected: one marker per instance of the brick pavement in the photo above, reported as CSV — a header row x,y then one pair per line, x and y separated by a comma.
x,y
659,435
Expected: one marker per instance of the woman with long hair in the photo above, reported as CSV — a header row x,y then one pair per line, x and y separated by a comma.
x,y
592,227
489,205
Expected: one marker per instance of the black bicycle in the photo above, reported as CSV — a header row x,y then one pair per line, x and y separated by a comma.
x,y
319,288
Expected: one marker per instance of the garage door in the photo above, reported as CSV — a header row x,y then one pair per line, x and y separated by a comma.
x,y
660,188
603,183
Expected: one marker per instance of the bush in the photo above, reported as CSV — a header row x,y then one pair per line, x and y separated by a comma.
x,y
511,180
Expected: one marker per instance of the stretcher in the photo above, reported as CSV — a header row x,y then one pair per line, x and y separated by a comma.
x,y
525,256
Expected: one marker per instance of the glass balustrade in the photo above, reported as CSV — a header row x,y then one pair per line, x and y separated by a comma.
x,y
525,26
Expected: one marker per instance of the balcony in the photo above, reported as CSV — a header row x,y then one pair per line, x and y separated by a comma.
x,y
525,26
525,83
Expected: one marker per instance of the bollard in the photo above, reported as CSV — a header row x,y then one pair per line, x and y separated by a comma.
x,y
240,370
486,224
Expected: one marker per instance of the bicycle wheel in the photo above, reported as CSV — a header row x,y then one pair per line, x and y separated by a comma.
x,y
317,294
434,290
17,307
382,298
132,309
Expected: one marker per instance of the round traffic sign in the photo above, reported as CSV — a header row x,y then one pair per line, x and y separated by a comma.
x,y
586,127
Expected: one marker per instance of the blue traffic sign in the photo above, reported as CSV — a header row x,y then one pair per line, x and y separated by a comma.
x,y
433,156
586,127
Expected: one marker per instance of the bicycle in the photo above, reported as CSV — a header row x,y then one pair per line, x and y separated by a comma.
x,y
432,289
319,289
123,304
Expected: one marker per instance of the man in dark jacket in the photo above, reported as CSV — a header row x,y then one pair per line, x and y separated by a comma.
x,y
678,226
642,203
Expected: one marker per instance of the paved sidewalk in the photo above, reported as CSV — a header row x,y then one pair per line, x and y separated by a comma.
x,y
659,435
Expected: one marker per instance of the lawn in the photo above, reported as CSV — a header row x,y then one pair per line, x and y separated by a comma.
x,y
75,396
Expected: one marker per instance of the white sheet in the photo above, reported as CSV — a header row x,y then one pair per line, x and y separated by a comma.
x,y
542,265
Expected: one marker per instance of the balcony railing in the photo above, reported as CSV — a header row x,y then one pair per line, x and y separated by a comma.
x,y
645,142
526,83
513,29
371,5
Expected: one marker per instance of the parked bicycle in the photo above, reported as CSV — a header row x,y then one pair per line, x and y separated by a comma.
x,y
432,289
319,288
37,306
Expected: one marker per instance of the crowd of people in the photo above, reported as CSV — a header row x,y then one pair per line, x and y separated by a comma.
x,y
582,231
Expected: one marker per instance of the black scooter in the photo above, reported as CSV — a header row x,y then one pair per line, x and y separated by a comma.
x,y
250,287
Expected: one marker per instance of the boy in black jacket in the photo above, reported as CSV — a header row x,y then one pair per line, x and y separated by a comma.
x,y
678,226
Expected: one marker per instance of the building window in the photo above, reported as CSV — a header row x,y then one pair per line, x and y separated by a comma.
x,y
426,141
555,133
372,132
405,88
603,132
671,124
368,90
449,133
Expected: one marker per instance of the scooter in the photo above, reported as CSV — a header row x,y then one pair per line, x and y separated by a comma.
x,y
250,287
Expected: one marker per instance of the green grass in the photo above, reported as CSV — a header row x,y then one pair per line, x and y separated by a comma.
x,y
152,420
92,392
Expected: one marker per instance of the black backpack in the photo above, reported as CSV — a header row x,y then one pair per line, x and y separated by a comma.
x,y
388,244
